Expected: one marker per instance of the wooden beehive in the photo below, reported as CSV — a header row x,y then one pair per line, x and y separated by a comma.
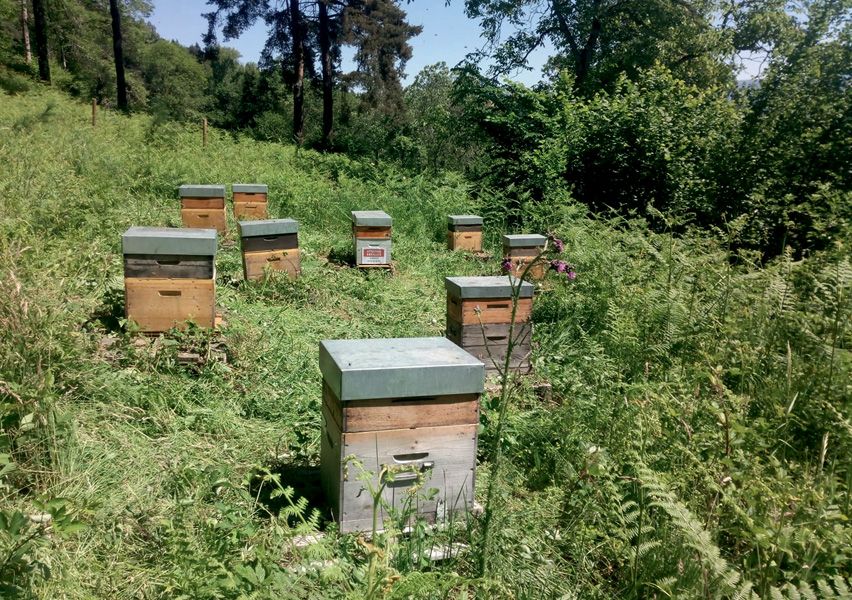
x,y
464,232
271,245
169,277
371,232
250,201
521,249
203,207
479,312
409,404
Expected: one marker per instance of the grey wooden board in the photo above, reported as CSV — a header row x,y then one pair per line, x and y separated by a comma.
x,y
201,191
371,218
489,287
524,240
498,352
398,368
451,452
166,266
249,188
477,335
465,228
362,244
456,220
169,240
289,241
267,227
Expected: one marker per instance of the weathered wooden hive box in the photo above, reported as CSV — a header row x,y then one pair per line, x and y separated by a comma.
x,y
203,207
371,230
272,245
169,277
464,232
521,249
411,404
479,312
250,201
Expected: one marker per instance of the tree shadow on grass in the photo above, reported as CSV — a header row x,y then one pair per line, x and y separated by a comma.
x,y
305,481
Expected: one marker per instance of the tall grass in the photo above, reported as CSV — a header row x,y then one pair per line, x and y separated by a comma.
x,y
696,442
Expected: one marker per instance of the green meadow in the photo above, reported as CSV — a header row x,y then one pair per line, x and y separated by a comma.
x,y
694,443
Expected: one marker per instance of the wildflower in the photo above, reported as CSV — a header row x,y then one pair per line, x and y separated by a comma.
x,y
559,266
558,245
507,265
572,275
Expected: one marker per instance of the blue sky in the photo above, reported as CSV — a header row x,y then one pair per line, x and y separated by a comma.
x,y
447,34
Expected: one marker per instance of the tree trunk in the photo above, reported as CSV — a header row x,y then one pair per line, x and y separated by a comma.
x,y
120,81
299,71
327,77
40,16
25,27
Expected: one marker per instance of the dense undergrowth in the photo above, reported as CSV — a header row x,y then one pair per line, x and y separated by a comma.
x,y
696,442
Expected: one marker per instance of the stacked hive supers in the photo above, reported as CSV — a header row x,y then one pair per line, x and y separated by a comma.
x,y
271,244
371,231
464,232
250,201
521,250
479,312
169,277
203,207
409,404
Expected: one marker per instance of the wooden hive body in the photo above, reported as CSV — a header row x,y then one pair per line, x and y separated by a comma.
x,y
479,314
250,201
371,233
169,277
270,245
408,404
521,250
203,207
464,232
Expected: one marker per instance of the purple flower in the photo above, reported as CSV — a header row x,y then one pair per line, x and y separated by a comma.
x,y
507,265
571,274
559,266
559,245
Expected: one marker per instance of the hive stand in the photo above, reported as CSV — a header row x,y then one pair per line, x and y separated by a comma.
x,y
250,201
464,232
203,207
479,312
411,404
521,249
271,245
371,233
169,277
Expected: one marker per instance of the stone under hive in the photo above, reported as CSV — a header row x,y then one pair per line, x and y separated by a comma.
x,y
169,277
411,404
250,201
371,231
203,207
521,249
464,232
271,245
479,313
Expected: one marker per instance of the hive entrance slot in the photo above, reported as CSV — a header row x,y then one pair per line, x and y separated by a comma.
x,y
169,292
168,262
270,239
409,458
501,305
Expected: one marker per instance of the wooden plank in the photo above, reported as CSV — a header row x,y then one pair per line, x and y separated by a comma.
x,y
160,304
401,413
249,197
536,272
331,469
491,310
520,354
446,456
166,266
204,218
255,264
363,231
250,210
471,241
285,241
200,203
465,228
521,252
476,334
